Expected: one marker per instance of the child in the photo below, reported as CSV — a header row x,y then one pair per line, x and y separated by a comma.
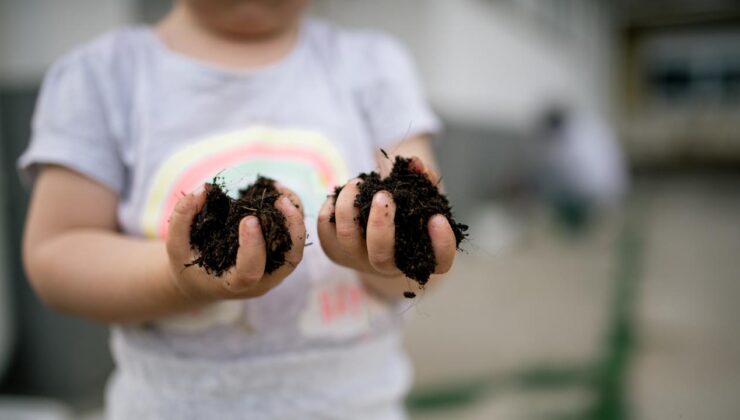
x,y
127,130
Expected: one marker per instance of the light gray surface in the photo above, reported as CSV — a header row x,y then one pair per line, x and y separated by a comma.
x,y
688,365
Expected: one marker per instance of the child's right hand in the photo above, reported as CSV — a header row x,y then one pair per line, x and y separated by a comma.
x,y
248,278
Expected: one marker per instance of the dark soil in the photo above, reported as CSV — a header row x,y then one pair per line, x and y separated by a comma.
x,y
417,200
214,233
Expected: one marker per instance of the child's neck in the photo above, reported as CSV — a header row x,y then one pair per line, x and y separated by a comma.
x,y
181,32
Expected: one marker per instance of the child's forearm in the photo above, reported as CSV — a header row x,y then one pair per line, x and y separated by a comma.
x,y
105,276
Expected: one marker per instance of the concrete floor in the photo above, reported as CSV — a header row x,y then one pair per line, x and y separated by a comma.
x,y
688,365
546,303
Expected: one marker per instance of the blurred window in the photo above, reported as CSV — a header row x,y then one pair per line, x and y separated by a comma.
x,y
692,68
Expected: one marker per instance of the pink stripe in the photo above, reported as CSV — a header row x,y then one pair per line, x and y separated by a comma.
x,y
194,175
326,310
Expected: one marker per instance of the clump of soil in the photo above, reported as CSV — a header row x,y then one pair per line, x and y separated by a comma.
x,y
417,200
214,232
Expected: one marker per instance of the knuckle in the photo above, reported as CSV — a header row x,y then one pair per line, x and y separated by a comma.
x,y
296,225
293,258
378,221
183,206
443,245
246,279
449,244
324,217
346,232
295,220
381,259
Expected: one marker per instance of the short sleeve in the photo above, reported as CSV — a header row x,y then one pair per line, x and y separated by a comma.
x,y
392,99
70,126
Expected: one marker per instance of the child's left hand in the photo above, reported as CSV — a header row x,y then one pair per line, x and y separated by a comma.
x,y
343,242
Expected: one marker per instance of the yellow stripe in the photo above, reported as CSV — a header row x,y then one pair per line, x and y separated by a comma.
x,y
178,163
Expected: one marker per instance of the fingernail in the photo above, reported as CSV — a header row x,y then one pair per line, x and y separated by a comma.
x,y
381,198
252,222
438,221
286,201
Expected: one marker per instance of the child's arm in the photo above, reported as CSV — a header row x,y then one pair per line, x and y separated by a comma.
x,y
79,263
373,257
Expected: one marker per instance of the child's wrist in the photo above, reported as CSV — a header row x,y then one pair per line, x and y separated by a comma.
x,y
179,292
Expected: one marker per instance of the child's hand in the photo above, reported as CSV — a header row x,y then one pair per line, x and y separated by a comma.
x,y
248,278
343,243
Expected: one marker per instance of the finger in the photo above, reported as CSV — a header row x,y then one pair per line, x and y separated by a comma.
x,y
349,234
443,243
294,199
381,231
327,231
178,235
250,257
297,228
418,166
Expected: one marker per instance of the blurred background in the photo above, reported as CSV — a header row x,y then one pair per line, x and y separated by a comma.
x,y
594,147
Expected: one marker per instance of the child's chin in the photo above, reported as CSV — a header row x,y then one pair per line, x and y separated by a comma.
x,y
249,18
254,28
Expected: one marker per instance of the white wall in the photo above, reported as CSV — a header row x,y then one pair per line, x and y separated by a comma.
x,y
33,33
496,63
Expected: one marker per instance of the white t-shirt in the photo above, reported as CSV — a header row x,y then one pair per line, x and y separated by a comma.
x,y
150,123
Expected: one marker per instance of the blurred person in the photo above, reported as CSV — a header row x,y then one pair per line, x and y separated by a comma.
x,y
579,165
126,130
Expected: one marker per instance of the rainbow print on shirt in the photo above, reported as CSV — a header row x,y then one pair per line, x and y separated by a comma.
x,y
302,160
